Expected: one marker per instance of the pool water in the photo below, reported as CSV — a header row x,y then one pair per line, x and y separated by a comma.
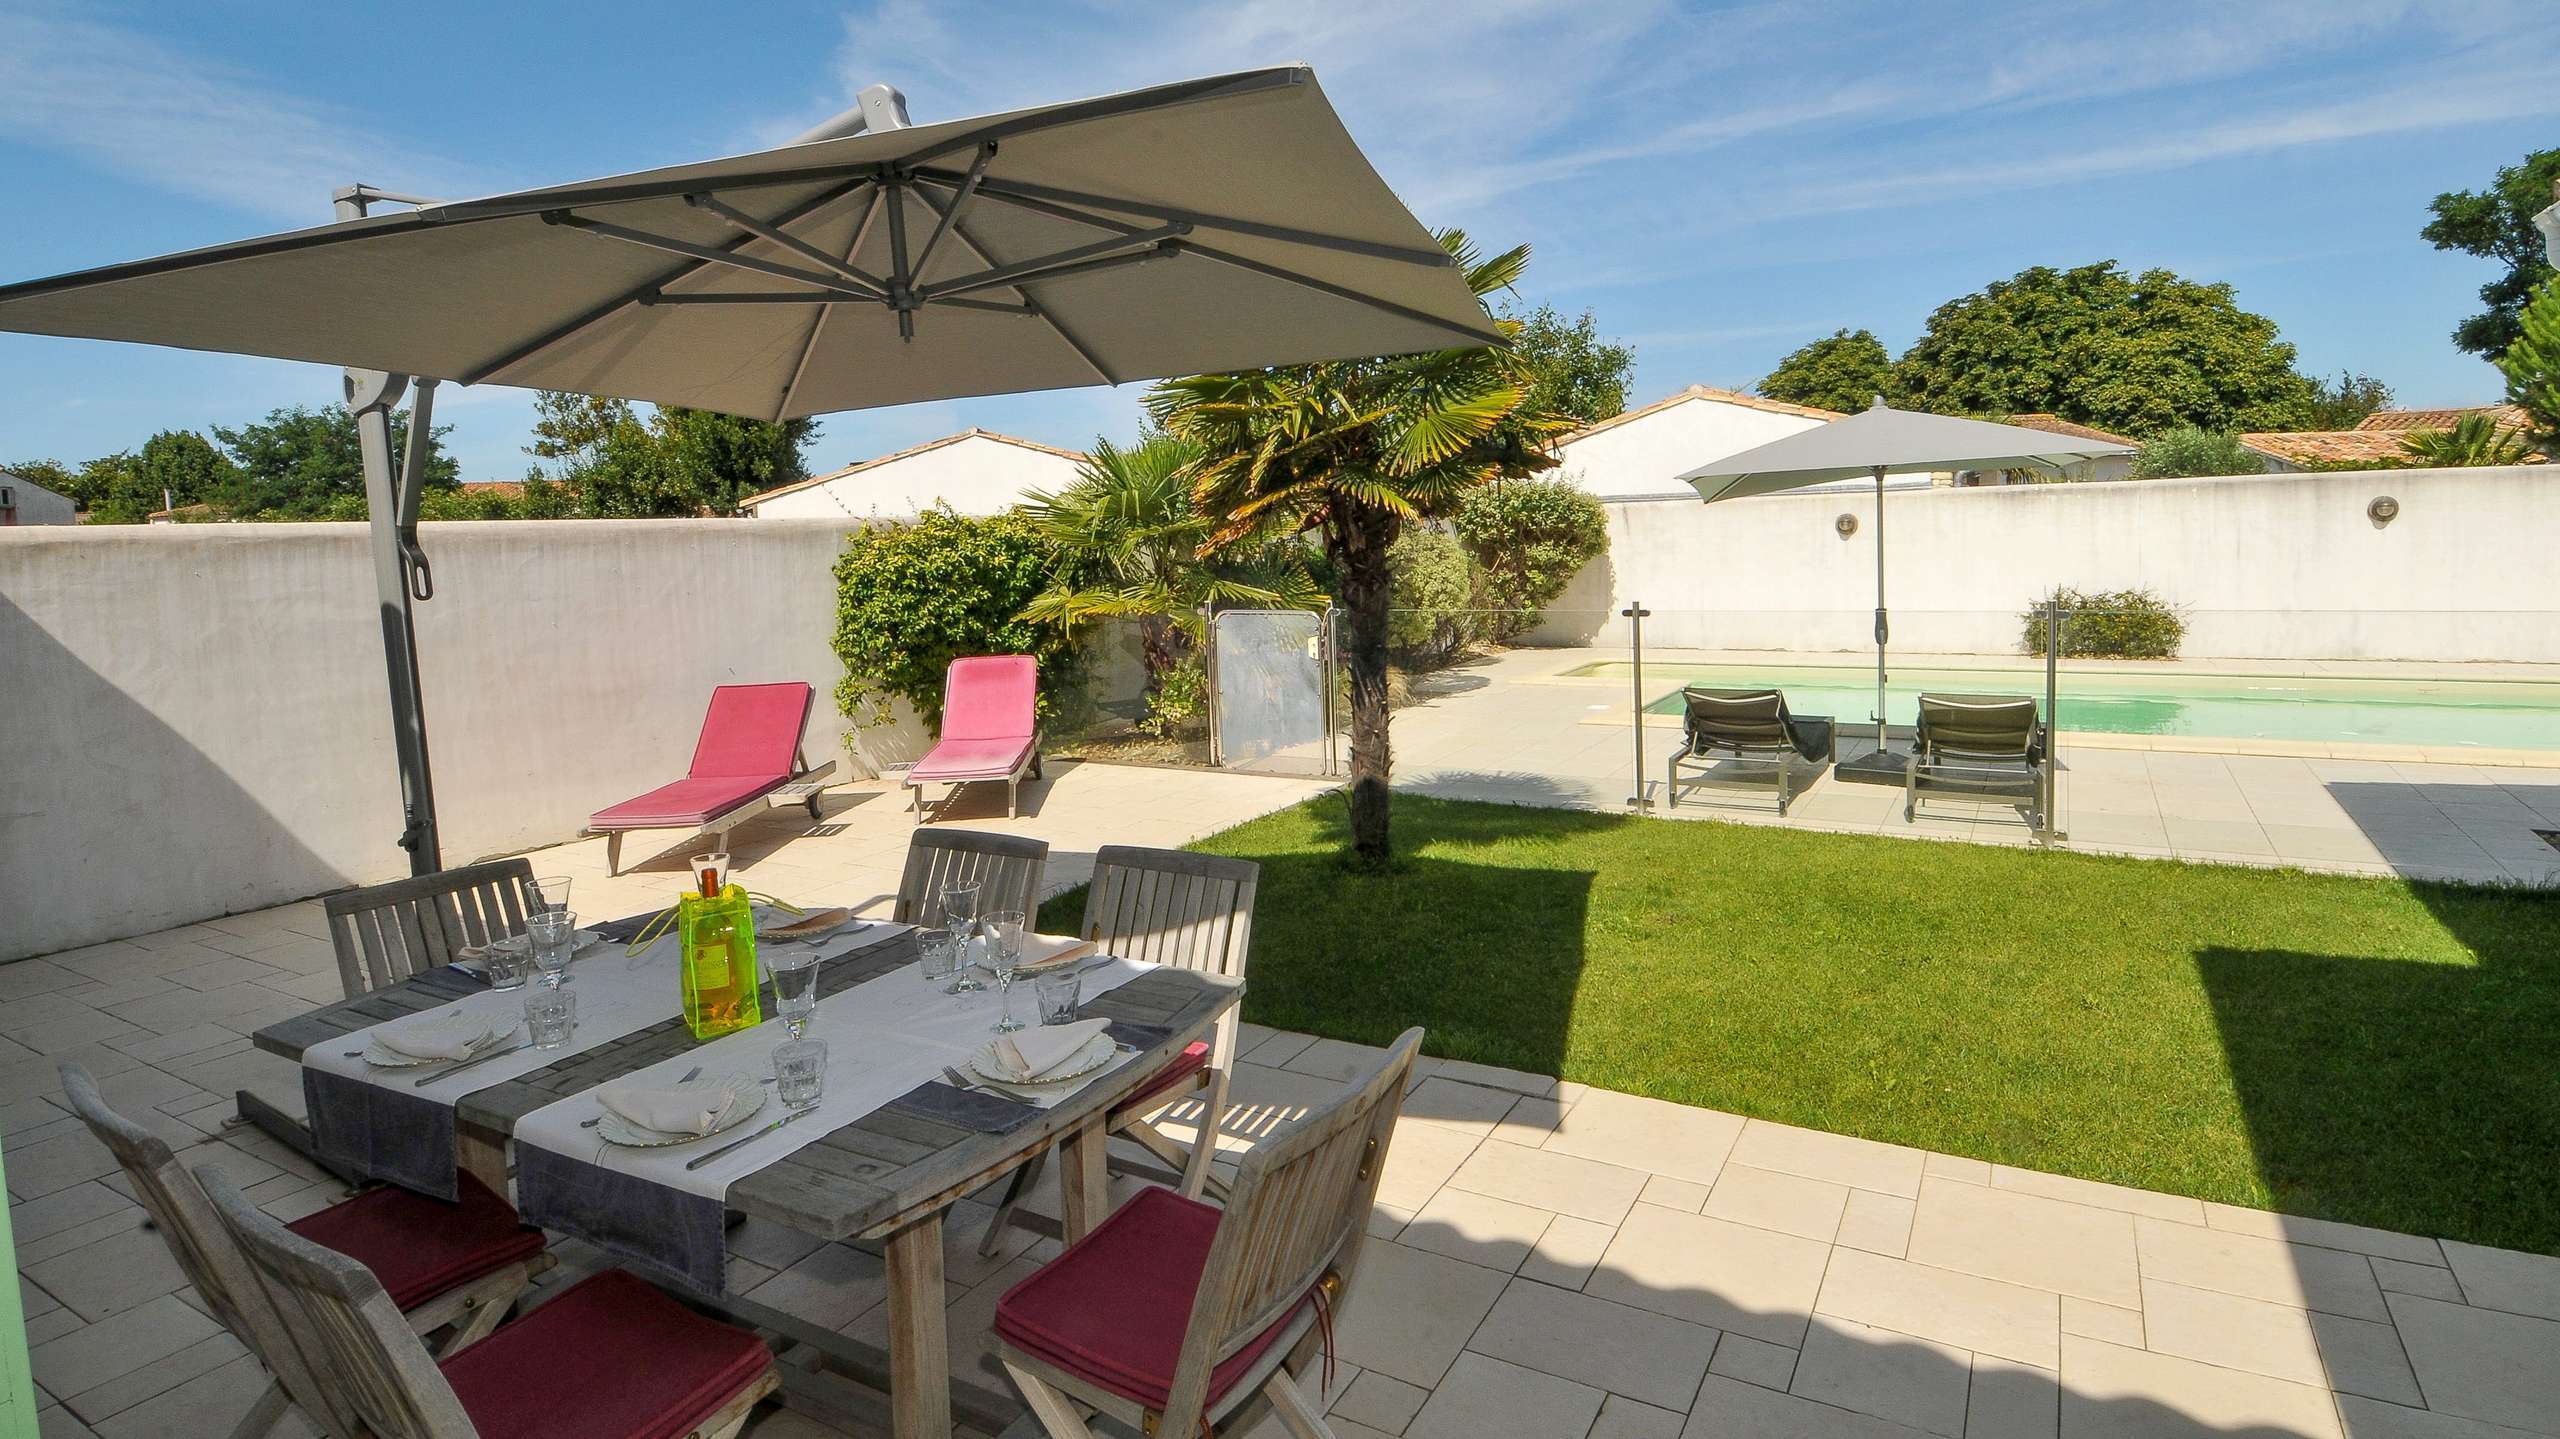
x,y
2444,713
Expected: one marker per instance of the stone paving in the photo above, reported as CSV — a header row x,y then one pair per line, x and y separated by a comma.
x,y
1548,1260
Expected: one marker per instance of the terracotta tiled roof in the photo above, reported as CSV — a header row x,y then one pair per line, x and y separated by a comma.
x,y
2507,417
504,489
2055,424
1699,392
907,454
2313,447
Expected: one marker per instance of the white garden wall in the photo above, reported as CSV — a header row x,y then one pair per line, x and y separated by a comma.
x,y
2266,566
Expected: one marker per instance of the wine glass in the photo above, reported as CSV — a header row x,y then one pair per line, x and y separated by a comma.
x,y
553,934
1004,952
960,914
795,989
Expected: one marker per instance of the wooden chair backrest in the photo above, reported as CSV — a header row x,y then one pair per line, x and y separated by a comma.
x,y
385,933
1169,906
376,1371
1005,867
196,1239
1296,1213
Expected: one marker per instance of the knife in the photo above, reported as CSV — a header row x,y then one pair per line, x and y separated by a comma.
x,y
466,1064
793,1117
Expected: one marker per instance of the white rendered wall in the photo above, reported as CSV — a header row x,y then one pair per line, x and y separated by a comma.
x,y
1646,456
974,476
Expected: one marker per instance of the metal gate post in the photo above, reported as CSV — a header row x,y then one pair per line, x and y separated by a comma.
x,y
1634,614
1209,673
1329,654
2052,722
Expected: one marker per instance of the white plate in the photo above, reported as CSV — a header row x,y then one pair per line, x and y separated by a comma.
x,y
746,1096
1096,1053
383,1056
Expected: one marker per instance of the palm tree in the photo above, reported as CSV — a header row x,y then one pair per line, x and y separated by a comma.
x,y
2473,440
1353,450
1129,543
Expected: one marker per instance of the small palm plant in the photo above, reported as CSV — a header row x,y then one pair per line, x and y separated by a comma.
x,y
2474,440
1129,547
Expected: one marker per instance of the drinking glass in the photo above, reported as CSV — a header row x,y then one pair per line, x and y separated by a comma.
x,y
960,912
550,1014
507,965
1004,951
941,950
795,988
800,1071
1059,994
554,935
549,892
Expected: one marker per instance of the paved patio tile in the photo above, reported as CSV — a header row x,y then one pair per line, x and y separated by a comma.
x,y
1634,1352
1877,1223
1647,1134
1422,1158
88,1357
1567,1253
2376,1419
1669,1193
1477,1228
1891,1376
2506,1279
2401,1277
1414,1312
1487,1399
2024,1239
2225,1329
1624,1418
96,1406
2483,1364
1754,1361
1766,1199
1729,1407
1836,1158
1381,1402
121,1272
2175,1207
2111,1392
1543,1179
1962,1310
1949,1166
2326,1233
1471,1109
2091,1319
1709,1271
2366,1359
2304,1276
2012,1401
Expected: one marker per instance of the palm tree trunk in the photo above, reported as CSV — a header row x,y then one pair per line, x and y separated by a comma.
x,y
1359,536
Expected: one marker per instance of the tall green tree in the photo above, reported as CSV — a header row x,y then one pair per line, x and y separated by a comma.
x,y
1843,371
1576,372
2532,365
2497,224
1353,451
2340,404
305,463
174,468
2136,354
674,462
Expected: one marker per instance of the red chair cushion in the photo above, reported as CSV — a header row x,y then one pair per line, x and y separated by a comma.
x,y
1112,1308
610,1359
1177,1070
971,759
686,802
751,730
419,1247
991,697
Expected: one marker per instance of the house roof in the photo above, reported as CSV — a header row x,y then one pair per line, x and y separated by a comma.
x,y
2507,417
1698,392
504,489
909,453
2055,424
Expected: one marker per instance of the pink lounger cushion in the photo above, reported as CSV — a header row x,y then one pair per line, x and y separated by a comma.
x,y
990,720
750,745
958,759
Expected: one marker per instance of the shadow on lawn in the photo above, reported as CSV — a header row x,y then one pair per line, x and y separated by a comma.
x,y
2401,1094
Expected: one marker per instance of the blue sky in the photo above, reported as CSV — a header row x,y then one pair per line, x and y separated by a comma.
x,y
1719,183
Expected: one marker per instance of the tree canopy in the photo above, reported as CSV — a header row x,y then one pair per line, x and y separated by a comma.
x,y
2339,404
2497,224
301,463
2137,354
1574,371
2532,365
1843,372
676,462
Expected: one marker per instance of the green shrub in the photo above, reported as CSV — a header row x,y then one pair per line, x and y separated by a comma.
x,y
2187,451
1433,589
910,599
1528,539
1179,699
2121,624
2532,365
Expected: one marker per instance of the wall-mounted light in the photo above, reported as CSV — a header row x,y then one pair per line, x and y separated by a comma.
x,y
2383,510
1847,525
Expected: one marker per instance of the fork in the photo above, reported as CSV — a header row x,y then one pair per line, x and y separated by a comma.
x,y
690,1076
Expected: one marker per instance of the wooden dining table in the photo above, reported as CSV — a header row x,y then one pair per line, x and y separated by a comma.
x,y
890,1176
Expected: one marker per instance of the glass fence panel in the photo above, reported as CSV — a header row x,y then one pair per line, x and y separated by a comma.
x,y
1137,694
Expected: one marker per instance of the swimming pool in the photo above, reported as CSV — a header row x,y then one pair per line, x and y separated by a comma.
x,y
2486,714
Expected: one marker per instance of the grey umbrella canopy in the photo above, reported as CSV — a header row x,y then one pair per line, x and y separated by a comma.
x,y
1881,441
1217,224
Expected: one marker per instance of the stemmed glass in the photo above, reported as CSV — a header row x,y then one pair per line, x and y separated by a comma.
x,y
549,893
553,934
795,989
1004,952
960,914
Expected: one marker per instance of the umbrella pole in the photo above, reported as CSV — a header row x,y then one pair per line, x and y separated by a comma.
x,y
1880,622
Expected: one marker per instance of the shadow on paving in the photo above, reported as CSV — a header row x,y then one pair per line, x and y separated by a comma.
x,y
2400,1093
2433,829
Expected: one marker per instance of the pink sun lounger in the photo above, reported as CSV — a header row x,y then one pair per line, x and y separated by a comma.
x,y
748,758
989,728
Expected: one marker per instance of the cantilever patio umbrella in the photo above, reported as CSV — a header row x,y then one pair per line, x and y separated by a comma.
x,y
1215,224
1881,440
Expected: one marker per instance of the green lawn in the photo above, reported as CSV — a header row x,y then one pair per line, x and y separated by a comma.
x,y
2369,1050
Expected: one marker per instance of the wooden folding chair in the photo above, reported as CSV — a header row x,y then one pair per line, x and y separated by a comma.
x,y
462,1265
1173,1315
608,1358
1005,867
1163,906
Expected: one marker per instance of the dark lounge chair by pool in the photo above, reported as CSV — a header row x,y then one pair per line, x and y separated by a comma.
x,y
1980,746
1751,727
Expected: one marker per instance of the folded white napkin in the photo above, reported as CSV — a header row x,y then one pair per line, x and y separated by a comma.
x,y
433,1036
668,1108
1043,949
1031,1053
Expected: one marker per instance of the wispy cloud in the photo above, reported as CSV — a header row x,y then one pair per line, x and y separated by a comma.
x,y
189,125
